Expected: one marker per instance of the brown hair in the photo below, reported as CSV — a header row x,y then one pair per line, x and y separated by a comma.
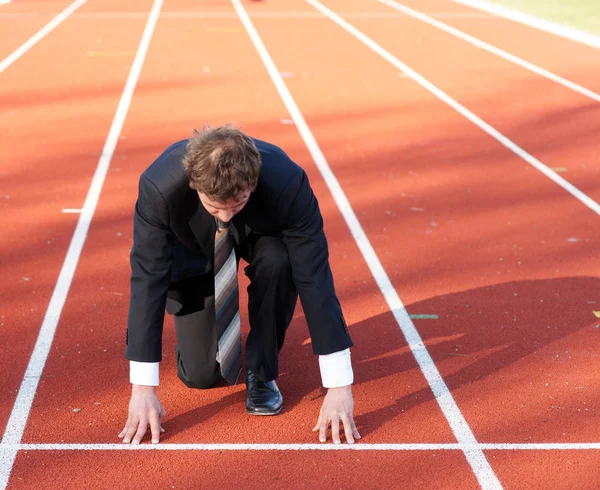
x,y
222,162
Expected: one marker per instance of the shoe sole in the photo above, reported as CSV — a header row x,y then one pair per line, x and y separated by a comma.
x,y
265,413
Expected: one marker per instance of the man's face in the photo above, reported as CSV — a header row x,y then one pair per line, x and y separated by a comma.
x,y
224,210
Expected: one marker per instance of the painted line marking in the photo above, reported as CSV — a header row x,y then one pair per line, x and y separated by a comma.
x,y
222,30
165,446
479,464
72,211
20,412
491,49
531,21
461,15
255,15
38,36
443,96
115,53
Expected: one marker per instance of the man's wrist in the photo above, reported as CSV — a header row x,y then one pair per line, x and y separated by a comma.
x,y
341,388
143,389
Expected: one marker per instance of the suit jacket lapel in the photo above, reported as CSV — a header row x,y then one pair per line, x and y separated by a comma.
x,y
240,230
203,226
234,232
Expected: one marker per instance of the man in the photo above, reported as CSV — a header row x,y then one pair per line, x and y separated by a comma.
x,y
203,204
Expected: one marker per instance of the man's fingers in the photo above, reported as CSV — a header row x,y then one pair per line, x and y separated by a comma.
x,y
130,429
348,429
155,428
141,430
163,414
124,431
354,429
335,430
323,429
316,427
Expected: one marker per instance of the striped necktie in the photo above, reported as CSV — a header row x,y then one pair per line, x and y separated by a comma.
x,y
227,311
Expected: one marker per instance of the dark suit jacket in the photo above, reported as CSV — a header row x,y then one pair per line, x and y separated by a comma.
x,y
174,241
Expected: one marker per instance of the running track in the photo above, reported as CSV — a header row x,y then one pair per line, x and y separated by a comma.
x,y
433,210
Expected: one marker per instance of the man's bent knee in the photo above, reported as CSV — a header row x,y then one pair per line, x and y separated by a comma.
x,y
201,380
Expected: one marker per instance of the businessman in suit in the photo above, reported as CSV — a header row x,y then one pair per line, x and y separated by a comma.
x,y
202,205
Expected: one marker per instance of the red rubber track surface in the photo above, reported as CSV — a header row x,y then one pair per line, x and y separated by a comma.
x,y
345,469
57,106
20,21
465,229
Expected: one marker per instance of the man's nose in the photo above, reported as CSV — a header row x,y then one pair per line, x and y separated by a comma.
x,y
225,216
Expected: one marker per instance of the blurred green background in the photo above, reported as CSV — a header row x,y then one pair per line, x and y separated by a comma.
x,y
580,14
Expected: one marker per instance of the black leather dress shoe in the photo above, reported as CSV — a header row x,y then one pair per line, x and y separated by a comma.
x,y
263,397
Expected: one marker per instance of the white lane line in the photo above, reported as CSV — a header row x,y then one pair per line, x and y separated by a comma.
x,y
165,446
38,36
458,424
194,14
540,446
20,412
535,22
71,211
443,96
237,447
491,49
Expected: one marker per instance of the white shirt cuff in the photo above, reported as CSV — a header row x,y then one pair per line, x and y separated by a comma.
x,y
336,369
143,373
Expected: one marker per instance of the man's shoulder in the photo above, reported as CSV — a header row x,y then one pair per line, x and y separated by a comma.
x,y
264,147
168,170
277,168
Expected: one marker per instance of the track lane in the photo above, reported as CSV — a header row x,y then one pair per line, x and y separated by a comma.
x,y
54,127
547,469
245,470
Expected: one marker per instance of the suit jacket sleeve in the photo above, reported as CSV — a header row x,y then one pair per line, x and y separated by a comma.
x,y
309,257
151,259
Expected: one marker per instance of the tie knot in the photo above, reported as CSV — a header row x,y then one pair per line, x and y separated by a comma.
x,y
221,225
